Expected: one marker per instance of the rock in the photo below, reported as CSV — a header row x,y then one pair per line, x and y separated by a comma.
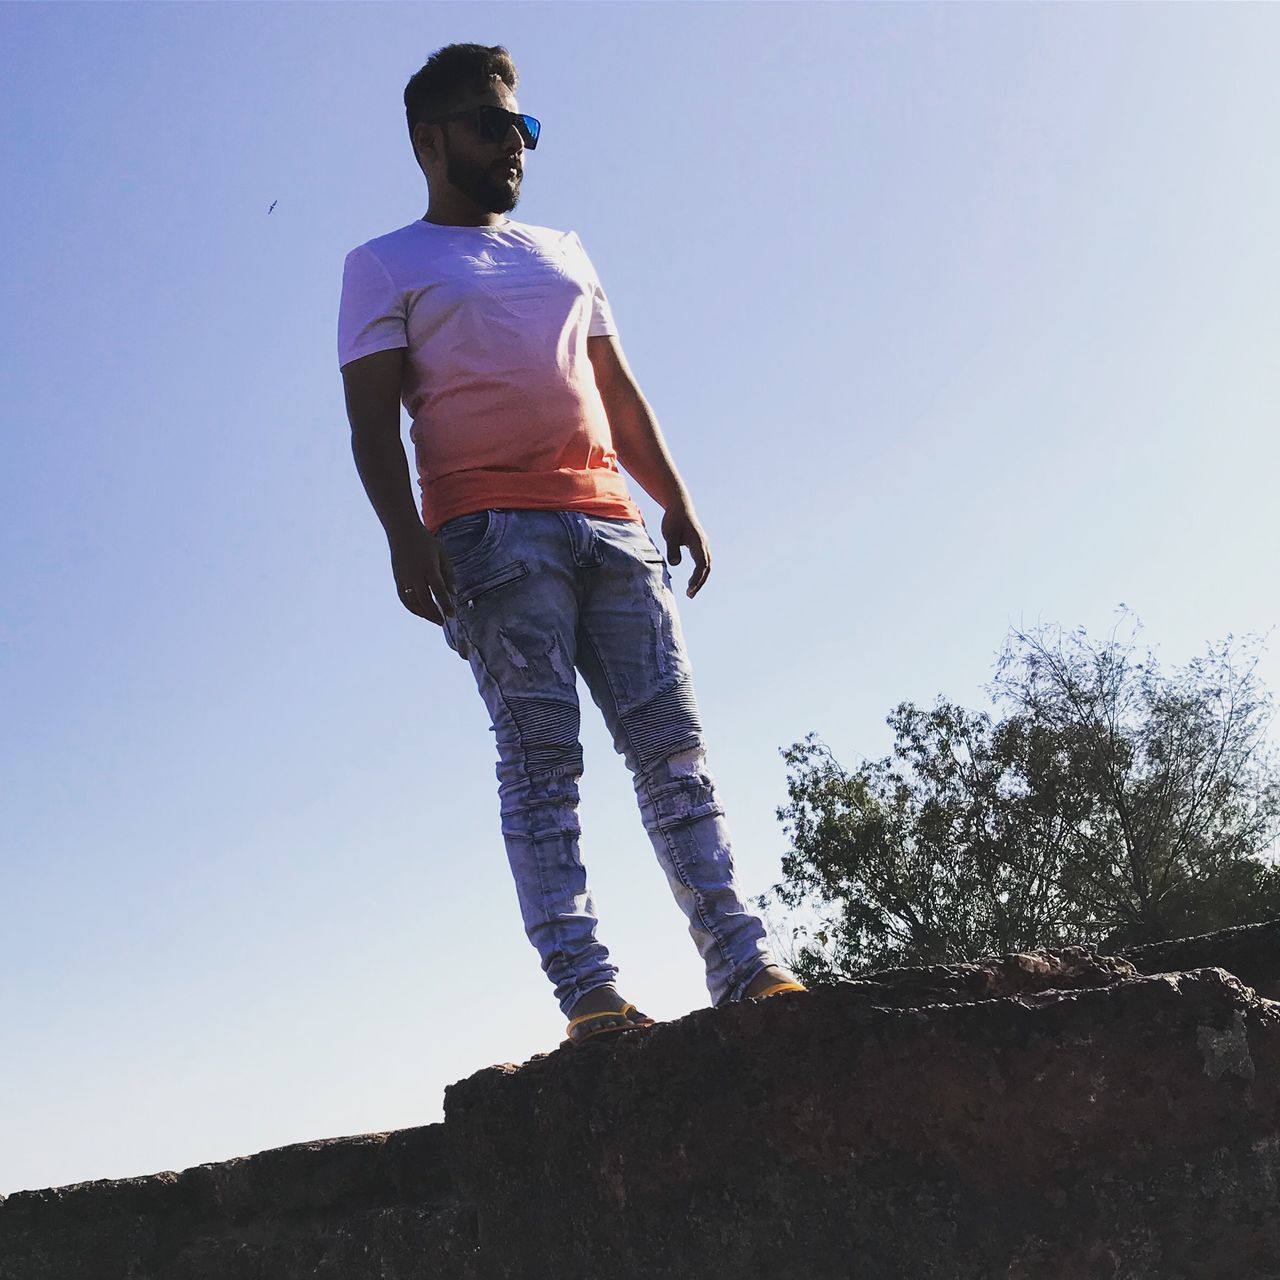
x,y
379,1204
1037,1116
1127,1129
1251,952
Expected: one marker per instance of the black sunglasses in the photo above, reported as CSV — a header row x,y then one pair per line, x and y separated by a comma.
x,y
492,123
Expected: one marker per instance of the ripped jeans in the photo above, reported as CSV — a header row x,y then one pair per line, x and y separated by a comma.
x,y
540,595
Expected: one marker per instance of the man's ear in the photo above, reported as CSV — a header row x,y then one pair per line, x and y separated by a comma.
x,y
424,141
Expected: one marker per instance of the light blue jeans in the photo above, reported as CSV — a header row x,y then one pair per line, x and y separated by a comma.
x,y
541,595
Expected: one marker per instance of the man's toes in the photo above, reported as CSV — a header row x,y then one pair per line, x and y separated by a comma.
x,y
598,1025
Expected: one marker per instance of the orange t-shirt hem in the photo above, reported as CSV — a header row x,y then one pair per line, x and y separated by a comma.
x,y
595,492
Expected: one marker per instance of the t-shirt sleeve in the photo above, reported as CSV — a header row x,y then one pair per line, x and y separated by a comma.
x,y
371,314
601,313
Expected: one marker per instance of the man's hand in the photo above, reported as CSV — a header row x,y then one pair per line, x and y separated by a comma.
x,y
424,577
680,528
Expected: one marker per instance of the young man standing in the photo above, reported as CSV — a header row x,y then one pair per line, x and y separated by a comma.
x,y
530,553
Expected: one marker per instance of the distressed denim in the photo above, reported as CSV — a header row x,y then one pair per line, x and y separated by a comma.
x,y
539,596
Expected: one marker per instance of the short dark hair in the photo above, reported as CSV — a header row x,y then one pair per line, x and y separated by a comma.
x,y
451,74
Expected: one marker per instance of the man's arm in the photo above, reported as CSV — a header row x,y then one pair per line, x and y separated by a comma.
x,y
421,569
637,438
641,449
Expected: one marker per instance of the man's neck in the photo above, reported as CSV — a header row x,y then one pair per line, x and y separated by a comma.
x,y
447,220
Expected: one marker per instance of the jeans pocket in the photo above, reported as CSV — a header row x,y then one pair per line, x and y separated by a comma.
x,y
469,538
503,577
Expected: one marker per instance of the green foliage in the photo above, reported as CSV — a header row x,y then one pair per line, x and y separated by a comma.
x,y
1111,805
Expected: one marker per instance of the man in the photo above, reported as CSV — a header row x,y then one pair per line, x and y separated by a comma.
x,y
530,553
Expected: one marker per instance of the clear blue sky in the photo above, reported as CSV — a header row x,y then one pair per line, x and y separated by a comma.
x,y
953,317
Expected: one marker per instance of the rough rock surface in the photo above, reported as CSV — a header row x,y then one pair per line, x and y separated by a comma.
x,y
1251,952
1048,1116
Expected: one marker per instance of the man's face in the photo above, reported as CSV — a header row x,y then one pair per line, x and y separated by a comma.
x,y
487,173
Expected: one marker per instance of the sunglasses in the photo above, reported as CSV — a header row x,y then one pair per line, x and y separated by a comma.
x,y
492,123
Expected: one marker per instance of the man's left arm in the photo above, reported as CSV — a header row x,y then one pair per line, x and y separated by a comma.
x,y
638,442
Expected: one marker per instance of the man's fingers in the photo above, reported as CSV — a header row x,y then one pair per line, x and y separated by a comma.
x,y
702,568
417,599
435,589
692,537
442,590
431,609
424,579
409,598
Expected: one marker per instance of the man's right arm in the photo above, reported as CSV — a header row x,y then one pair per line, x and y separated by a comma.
x,y
422,572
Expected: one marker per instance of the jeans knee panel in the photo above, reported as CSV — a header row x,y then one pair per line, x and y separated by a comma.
x,y
548,730
658,728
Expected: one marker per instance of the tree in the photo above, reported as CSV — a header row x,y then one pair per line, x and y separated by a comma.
x,y
1110,806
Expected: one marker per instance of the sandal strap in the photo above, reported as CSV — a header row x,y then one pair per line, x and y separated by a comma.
x,y
603,1013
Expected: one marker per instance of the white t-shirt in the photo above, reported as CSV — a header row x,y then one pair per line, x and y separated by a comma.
x,y
497,379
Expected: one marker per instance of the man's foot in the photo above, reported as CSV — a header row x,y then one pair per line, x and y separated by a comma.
x,y
609,1006
769,976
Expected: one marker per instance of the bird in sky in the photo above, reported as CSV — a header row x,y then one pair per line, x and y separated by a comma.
x,y
273,205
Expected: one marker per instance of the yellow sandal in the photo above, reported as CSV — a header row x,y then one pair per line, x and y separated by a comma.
x,y
631,1024
776,988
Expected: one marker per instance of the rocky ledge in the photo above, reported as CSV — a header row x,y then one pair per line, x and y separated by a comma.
x,y
1052,1115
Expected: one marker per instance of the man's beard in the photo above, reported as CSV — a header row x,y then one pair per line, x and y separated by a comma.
x,y
487,187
